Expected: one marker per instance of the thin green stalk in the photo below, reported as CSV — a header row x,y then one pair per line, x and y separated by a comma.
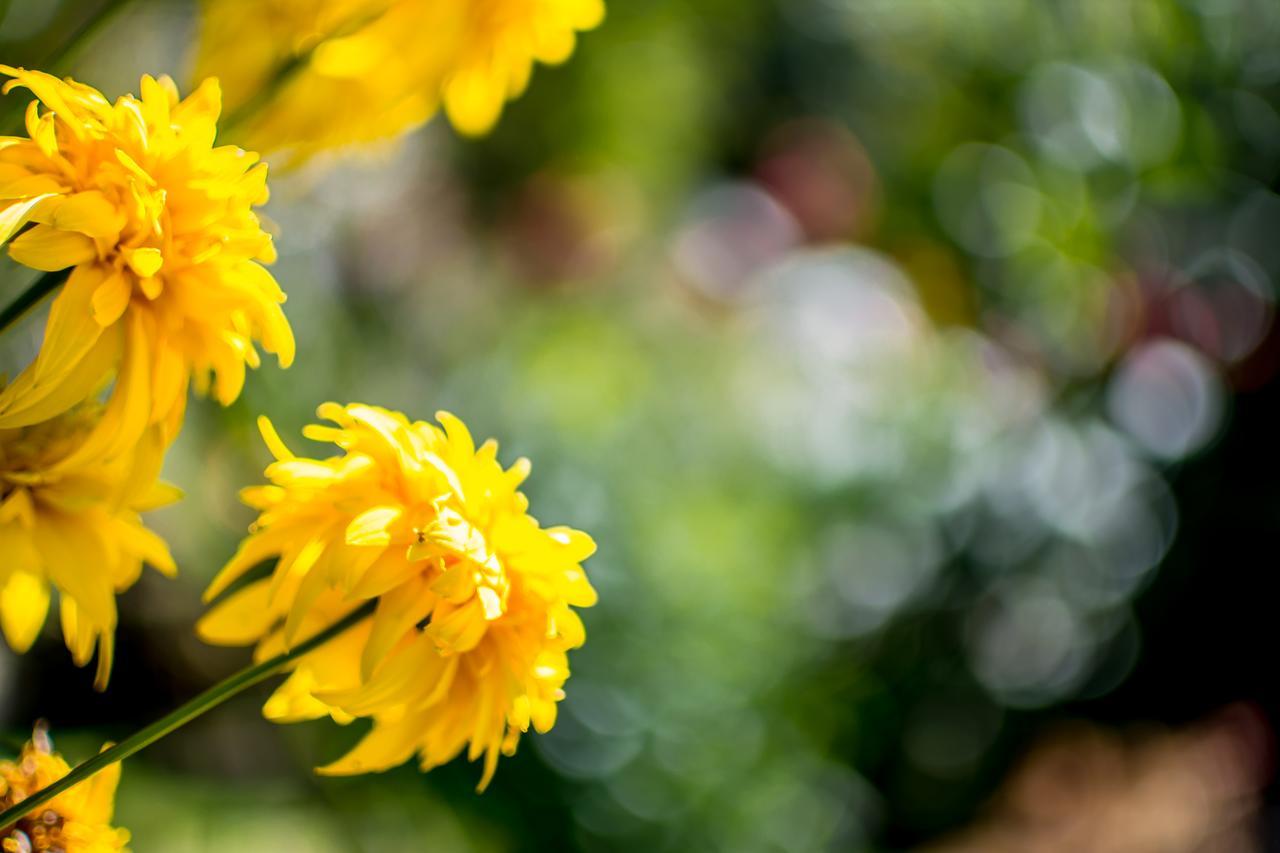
x,y
180,716
81,36
241,115
59,60
30,298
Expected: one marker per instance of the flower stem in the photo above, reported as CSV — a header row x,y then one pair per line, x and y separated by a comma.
x,y
235,120
60,58
30,297
180,716
81,36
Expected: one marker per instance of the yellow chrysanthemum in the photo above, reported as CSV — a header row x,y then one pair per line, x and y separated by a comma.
x,y
467,645
75,821
158,229
374,69
69,519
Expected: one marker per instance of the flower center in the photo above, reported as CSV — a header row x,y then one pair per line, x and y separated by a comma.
x,y
27,452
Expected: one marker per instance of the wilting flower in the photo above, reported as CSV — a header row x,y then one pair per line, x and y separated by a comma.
x,y
157,227
69,519
374,69
467,645
75,821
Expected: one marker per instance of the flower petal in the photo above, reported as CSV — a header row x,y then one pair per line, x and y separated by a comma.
x,y
24,604
50,249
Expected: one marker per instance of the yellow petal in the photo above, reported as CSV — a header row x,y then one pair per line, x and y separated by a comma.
x,y
278,448
106,655
18,507
24,185
18,214
490,602
98,793
145,262
313,584
156,100
387,745
458,433
129,407
578,545
146,545
292,701
370,526
24,603
46,248
170,377
419,551
157,495
388,570
252,552
152,286
412,669
73,556
240,620
16,518
586,14
473,99
74,359
457,629
111,298
398,611
89,213
457,583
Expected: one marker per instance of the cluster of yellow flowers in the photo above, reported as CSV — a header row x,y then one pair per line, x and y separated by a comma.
x,y
156,225
149,227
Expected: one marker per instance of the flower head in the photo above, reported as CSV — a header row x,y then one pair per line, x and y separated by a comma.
x,y
157,227
375,69
467,645
69,520
75,821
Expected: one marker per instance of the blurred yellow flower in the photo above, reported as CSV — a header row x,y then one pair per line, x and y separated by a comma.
x,y
467,646
75,821
157,226
375,69
69,518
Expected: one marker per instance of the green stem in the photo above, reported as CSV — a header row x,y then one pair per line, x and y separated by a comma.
x,y
180,716
241,115
59,60
80,37
29,298
236,119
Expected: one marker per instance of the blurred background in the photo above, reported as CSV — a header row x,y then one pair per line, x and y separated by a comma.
x,y
912,363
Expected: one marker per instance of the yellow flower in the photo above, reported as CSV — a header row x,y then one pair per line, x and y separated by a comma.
x,y
75,821
69,518
157,226
467,645
375,69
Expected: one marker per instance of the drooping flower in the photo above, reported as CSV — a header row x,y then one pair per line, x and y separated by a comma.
x,y
69,519
468,644
157,227
375,69
75,821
